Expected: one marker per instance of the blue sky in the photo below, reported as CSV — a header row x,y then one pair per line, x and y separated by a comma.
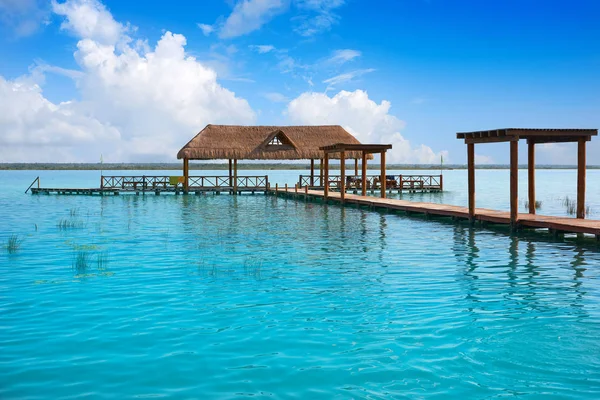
x,y
407,72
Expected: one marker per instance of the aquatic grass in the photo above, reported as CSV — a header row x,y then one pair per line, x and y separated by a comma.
x,y
102,260
81,261
13,244
69,223
73,212
571,207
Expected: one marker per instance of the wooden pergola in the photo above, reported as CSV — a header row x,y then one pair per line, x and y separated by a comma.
x,y
533,137
343,149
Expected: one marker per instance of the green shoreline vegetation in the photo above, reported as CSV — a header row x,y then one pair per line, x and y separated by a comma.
x,y
246,166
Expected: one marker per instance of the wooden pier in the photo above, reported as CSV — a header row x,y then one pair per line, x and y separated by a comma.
x,y
143,184
393,182
554,225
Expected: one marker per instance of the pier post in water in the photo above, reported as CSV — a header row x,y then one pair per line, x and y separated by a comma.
x,y
326,177
531,175
581,178
514,182
382,178
342,175
364,174
471,178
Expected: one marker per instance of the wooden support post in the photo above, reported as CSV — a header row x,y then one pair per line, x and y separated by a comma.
x,y
356,167
471,178
581,178
382,183
326,177
321,172
531,175
296,188
514,182
342,175
364,174
230,172
186,174
235,176
312,172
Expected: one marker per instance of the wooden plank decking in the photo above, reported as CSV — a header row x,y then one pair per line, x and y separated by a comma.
x,y
555,224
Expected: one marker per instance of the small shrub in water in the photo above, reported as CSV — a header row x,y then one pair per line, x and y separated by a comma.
x,y
13,244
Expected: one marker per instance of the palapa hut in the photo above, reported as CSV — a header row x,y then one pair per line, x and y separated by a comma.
x,y
234,142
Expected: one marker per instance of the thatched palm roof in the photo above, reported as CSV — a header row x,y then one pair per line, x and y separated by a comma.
x,y
217,142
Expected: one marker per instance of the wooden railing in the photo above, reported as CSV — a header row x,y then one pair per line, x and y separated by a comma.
x,y
33,183
393,182
145,182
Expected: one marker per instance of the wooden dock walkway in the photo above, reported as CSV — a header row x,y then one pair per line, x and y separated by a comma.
x,y
555,225
144,184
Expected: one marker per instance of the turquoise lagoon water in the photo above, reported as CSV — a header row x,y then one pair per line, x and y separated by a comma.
x,y
264,297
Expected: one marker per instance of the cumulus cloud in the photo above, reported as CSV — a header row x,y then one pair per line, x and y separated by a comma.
x,y
250,15
143,103
90,19
368,121
35,129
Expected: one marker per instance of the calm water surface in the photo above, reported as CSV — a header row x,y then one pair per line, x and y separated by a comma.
x,y
263,297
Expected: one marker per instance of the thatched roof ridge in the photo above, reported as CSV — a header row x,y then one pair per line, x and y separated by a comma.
x,y
217,142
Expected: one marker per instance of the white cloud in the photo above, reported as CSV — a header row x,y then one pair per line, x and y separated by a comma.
x,y
262,48
368,121
317,17
249,15
346,77
35,129
276,97
90,19
482,159
24,17
342,56
137,103
206,29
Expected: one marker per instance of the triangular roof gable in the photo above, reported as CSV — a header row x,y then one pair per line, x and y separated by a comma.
x,y
287,143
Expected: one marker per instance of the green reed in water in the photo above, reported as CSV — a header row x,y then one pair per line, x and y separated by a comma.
x,y
13,244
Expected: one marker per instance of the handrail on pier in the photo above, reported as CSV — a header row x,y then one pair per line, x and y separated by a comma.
x,y
32,183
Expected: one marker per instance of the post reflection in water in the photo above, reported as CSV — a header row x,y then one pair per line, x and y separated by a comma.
x,y
534,286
